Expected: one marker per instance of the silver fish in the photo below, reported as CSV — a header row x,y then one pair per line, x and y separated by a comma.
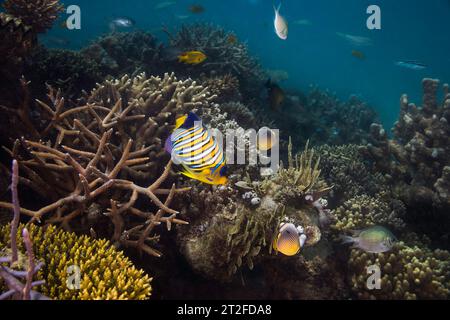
x,y
410,64
374,239
281,27
121,22
355,40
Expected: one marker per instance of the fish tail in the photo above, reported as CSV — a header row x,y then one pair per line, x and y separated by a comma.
x,y
346,239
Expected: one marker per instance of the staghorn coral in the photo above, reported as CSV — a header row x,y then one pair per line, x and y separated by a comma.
x,y
10,255
363,211
344,168
105,272
408,271
94,162
224,56
38,14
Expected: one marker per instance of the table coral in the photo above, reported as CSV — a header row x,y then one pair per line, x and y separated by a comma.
x,y
93,162
38,14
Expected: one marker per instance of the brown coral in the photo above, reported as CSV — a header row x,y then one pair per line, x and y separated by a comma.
x,y
98,155
38,14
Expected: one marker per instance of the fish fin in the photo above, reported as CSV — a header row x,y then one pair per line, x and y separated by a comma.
x,y
346,239
168,146
277,9
190,121
180,121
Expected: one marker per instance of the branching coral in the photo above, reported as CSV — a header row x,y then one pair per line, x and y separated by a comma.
x,y
98,154
38,14
224,56
105,273
16,288
226,88
126,53
364,211
344,168
417,156
409,271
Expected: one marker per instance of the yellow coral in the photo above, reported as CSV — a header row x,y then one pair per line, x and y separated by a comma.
x,y
106,273
409,271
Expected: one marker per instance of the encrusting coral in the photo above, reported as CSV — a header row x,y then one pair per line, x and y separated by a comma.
x,y
38,14
91,159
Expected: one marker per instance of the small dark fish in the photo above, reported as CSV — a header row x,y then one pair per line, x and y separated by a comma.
x,y
411,64
196,8
276,95
358,54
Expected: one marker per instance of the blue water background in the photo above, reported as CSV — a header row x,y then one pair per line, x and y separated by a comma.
x,y
313,54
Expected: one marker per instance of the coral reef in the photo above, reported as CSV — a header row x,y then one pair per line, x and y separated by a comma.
x,y
417,156
409,271
38,14
224,56
415,161
69,71
226,88
234,226
105,272
91,159
344,168
131,53
324,119
363,211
